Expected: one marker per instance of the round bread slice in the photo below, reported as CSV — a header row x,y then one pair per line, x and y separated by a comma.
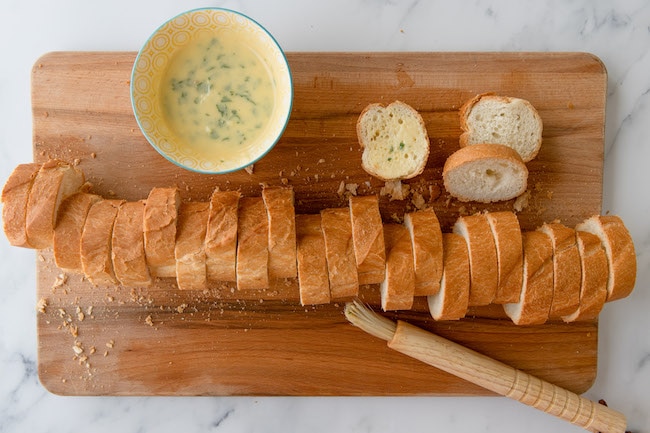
x,y
394,140
507,238
619,247
451,301
485,173
513,122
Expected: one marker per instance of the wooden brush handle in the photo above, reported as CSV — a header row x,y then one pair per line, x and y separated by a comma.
x,y
504,380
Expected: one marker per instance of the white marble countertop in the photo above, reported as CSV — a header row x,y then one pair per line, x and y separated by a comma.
x,y
617,32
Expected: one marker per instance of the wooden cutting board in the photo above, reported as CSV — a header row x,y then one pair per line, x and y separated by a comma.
x,y
160,341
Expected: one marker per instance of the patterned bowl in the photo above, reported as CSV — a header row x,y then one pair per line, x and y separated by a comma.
x,y
211,90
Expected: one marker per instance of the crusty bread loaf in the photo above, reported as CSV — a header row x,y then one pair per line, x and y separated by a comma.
x,y
426,240
339,251
191,273
96,242
221,236
537,289
398,288
483,268
159,225
619,247
368,239
594,277
513,122
252,245
485,173
282,231
15,194
313,279
54,182
127,249
452,300
566,269
394,140
507,238
66,243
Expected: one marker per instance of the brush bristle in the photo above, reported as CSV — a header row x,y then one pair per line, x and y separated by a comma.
x,y
366,319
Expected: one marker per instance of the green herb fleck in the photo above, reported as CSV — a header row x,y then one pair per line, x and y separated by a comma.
x,y
401,145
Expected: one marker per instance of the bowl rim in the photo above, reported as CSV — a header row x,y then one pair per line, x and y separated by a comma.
x,y
150,140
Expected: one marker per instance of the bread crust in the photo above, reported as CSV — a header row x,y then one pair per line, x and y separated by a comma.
x,y
279,202
127,251
506,232
191,273
452,301
313,277
368,239
339,251
426,241
66,243
252,244
96,242
221,236
398,288
159,224
15,195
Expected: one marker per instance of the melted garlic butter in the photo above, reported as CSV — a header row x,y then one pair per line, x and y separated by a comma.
x,y
217,97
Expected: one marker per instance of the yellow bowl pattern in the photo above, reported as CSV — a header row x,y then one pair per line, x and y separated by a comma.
x,y
154,58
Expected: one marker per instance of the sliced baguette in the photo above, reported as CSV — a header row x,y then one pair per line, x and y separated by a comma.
x,y
507,239
452,300
566,269
127,247
252,245
15,195
394,140
54,182
339,251
485,173
619,247
368,239
191,273
66,243
279,202
313,279
537,289
398,288
483,268
513,122
221,236
426,241
96,242
159,228
594,277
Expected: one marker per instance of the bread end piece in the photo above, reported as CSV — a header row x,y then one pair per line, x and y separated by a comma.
x,y
15,195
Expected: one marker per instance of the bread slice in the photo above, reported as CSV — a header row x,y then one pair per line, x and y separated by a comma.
x,y
221,236
15,194
507,239
426,241
96,242
339,252
513,122
252,245
483,268
159,225
313,279
191,273
368,239
594,277
619,247
279,202
537,289
398,289
394,140
566,269
127,249
66,243
452,300
54,182
485,173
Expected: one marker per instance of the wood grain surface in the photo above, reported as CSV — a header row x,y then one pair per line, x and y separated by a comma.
x,y
112,340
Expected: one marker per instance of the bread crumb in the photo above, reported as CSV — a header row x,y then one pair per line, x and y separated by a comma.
x,y
351,188
74,331
418,201
41,305
321,161
148,320
93,155
284,181
92,350
521,202
110,344
395,190
181,308
77,349
341,189
250,168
